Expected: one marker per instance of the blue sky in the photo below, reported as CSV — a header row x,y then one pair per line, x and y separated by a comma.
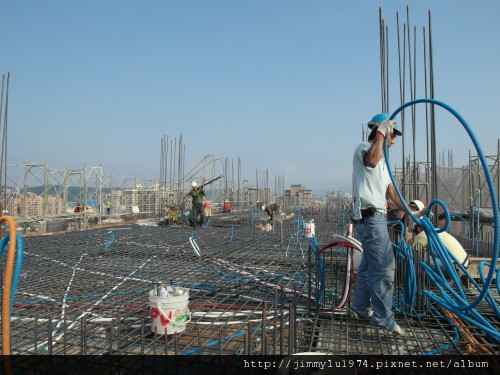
x,y
284,85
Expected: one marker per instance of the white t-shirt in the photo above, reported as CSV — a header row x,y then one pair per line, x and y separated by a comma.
x,y
370,184
449,242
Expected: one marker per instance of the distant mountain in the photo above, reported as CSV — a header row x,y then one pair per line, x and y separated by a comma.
x,y
73,191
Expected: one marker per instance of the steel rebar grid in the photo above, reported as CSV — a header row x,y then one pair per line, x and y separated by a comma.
x,y
248,295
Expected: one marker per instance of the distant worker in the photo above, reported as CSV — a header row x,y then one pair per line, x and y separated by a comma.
x,y
108,207
208,208
226,207
197,195
270,209
374,285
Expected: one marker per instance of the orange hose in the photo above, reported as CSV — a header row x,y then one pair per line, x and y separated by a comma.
x,y
466,333
7,284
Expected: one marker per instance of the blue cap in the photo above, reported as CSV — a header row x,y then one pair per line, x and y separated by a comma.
x,y
378,118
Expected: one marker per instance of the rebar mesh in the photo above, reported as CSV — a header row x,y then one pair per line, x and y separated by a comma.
x,y
250,292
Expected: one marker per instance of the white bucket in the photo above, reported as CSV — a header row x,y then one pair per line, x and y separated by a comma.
x,y
309,229
170,314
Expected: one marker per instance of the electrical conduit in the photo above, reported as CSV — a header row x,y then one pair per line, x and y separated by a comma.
x,y
7,285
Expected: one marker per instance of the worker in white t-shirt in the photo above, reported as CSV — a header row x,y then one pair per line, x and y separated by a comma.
x,y
420,243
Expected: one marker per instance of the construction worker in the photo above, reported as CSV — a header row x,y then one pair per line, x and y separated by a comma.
x,y
374,286
198,210
226,207
421,246
270,209
208,208
396,214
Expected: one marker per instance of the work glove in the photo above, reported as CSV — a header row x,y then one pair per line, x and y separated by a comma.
x,y
386,127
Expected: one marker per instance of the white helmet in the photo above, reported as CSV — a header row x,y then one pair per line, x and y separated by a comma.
x,y
417,204
194,184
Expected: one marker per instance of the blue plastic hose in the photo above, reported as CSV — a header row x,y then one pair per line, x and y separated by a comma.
x,y
488,180
462,308
111,239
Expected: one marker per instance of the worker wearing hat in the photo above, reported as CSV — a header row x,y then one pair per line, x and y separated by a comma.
x,y
226,207
270,209
421,246
373,293
198,210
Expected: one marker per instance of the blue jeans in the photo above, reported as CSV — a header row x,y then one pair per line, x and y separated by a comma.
x,y
375,278
198,211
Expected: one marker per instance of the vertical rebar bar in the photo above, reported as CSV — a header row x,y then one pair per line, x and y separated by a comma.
x,y
142,336
49,339
110,338
35,336
83,335
119,335
290,326
219,341
165,341
282,321
275,321
434,186
263,325
248,336
65,339
155,337
198,335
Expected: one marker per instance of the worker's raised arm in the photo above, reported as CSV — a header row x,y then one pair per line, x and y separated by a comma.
x,y
374,154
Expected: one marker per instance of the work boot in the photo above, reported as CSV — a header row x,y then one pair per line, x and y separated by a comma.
x,y
397,330
357,316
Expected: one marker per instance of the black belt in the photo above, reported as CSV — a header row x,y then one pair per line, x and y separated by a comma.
x,y
367,212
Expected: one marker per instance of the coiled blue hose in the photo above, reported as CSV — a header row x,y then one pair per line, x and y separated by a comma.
x,y
481,275
404,252
459,305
